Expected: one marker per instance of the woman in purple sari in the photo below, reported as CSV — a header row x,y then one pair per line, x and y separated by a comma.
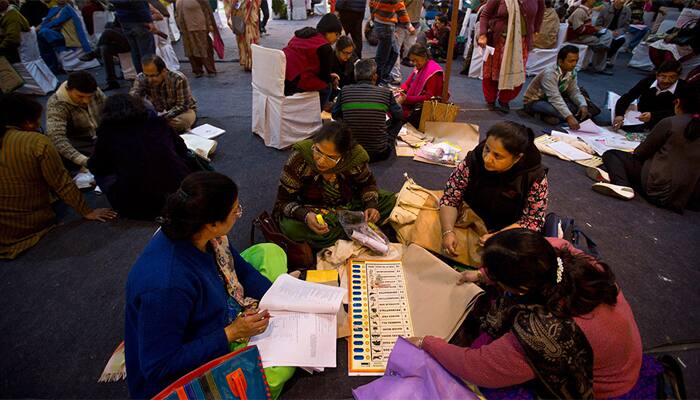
x,y
424,83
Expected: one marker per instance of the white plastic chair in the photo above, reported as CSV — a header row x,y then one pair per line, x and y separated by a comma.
x,y
539,59
38,78
280,120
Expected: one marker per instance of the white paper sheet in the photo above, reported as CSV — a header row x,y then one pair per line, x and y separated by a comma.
x,y
569,151
587,127
203,147
298,339
485,52
631,115
290,294
632,118
207,131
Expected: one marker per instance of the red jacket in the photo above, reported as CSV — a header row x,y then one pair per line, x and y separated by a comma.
x,y
303,62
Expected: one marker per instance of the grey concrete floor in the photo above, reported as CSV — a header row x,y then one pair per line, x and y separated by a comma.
x,y
62,301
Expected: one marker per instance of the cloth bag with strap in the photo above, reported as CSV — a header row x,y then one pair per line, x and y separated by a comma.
x,y
436,110
299,254
409,202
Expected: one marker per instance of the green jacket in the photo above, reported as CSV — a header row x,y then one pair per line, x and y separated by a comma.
x,y
12,24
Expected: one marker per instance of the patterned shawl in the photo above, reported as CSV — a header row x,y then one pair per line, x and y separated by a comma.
x,y
224,260
512,73
556,348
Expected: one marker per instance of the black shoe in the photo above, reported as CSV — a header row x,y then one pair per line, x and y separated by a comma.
x,y
88,56
502,108
604,72
112,85
491,106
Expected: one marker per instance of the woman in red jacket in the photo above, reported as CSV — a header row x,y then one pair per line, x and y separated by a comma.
x,y
310,56
559,318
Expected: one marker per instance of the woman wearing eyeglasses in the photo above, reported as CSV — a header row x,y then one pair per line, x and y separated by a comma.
x,y
191,297
343,63
324,174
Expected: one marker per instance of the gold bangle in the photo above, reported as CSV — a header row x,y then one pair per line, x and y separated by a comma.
x,y
447,231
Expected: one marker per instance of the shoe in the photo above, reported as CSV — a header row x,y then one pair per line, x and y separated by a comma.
x,y
88,56
211,74
491,106
597,174
604,72
198,74
112,85
502,108
617,191
550,120
609,65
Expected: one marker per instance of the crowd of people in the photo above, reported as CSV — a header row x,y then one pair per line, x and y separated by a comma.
x,y
191,297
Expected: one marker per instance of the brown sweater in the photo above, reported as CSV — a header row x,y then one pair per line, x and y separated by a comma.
x,y
31,172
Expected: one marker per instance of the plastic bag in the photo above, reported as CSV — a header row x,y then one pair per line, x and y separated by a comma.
x,y
359,230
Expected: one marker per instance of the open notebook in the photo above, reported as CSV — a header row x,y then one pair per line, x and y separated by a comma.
x,y
303,327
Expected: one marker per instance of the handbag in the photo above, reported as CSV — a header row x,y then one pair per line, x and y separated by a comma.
x,y
237,375
237,25
409,202
299,254
435,110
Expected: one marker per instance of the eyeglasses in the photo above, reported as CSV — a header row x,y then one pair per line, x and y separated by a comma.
x,y
347,52
324,156
239,211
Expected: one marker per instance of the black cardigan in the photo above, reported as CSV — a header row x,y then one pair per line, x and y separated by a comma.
x,y
660,106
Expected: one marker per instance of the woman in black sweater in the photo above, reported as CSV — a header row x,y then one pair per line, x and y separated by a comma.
x,y
665,167
138,158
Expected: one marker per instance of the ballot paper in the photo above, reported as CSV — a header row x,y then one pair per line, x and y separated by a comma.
x,y
569,151
485,52
587,127
303,324
207,131
631,115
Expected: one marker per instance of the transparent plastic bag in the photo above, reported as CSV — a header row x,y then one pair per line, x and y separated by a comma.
x,y
357,229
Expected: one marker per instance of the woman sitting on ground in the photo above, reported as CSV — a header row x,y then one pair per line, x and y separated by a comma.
x,y
138,158
343,65
559,318
424,83
665,167
190,297
502,180
31,176
322,175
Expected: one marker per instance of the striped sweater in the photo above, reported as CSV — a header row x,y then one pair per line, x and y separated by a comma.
x,y
389,12
363,107
31,171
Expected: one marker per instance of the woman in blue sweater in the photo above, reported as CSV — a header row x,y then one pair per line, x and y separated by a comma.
x,y
190,297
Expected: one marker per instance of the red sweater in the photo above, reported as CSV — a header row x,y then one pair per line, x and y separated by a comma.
x,y
433,87
303,63
611,331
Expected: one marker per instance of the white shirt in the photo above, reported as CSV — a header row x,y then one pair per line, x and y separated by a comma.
x,y
671,89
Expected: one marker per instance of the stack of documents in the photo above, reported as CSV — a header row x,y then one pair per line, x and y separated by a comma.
x,y
200,139
602,139
303,324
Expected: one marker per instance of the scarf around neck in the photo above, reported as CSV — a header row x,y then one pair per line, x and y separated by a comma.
x,y
357,156
420,77
512,73
225,262
556,348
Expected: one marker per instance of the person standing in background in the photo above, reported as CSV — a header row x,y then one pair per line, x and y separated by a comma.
x,y
196,20
386,15
265,9
351,14
137,25
509,26
404,39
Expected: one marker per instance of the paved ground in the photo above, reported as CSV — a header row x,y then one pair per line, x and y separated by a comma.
x,y
63,300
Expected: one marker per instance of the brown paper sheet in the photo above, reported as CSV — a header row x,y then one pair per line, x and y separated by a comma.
x,y
438,304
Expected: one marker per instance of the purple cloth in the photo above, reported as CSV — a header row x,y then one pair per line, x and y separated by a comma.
x,y
412,373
